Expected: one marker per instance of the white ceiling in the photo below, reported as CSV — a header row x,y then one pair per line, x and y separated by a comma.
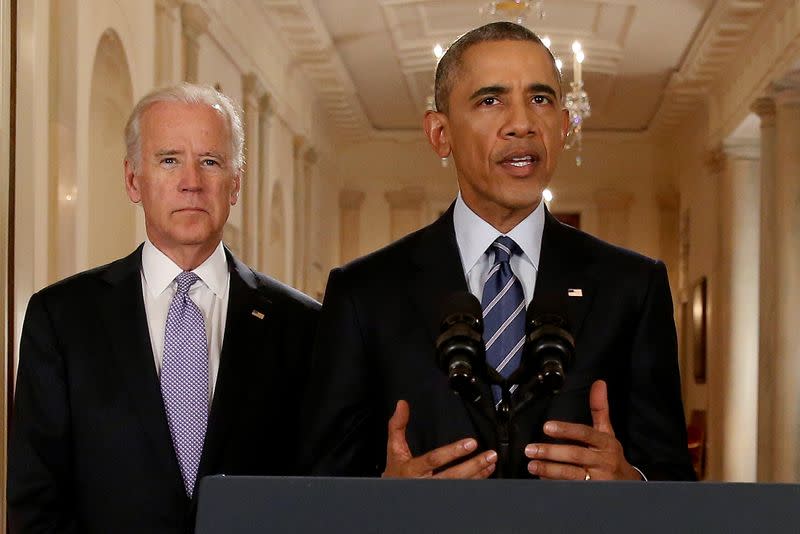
x,y
647,61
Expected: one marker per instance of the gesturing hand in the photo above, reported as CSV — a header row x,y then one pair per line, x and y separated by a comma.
x,y
601,458
401,464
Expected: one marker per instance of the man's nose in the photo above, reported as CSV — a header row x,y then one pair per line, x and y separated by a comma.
x,y
191,178
521,121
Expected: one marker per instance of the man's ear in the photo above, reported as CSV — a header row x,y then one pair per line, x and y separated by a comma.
x,y
564,124
237,184
436,129
132,183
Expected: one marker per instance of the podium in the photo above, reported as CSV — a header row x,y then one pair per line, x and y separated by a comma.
x,y
241,505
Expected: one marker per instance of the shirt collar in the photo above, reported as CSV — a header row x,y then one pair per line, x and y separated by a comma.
x,y
160,271
474,235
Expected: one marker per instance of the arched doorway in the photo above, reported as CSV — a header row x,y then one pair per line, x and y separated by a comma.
x,y
112,217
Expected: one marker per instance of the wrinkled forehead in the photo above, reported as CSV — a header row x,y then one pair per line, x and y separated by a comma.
x,y
165,117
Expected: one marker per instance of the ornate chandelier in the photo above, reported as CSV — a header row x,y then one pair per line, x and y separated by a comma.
x,y
513,10
577,103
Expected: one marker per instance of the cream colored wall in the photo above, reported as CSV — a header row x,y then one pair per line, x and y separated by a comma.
x,y
617,166
685,157
377,168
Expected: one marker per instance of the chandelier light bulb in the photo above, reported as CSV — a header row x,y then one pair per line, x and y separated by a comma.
x,y
438,51
548,195
580,56
576,47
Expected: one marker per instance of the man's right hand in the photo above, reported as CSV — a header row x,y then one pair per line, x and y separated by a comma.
x,y
400,463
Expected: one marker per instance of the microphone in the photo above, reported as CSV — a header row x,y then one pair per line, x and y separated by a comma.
x,y
549,351
460,351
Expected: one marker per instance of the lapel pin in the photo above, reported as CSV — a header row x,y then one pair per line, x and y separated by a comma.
x,y
257,314
574,292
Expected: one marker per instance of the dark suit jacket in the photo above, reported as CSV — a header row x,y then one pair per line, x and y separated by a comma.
x,y
91,449
376,345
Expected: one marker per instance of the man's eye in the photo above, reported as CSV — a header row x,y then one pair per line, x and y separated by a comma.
x,y
210,162
169,161
489,101
541,99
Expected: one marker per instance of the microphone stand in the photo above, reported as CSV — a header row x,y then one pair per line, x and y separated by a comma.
x,y
503,432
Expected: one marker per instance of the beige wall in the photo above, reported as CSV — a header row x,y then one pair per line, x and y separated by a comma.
x,y
616,169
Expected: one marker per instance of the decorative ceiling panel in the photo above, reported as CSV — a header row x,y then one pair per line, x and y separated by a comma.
x,y
647,61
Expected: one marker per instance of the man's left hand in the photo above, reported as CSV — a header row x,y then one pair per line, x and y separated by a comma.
x,y
596,454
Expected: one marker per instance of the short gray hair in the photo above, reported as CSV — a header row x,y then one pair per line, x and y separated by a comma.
x,y
187,93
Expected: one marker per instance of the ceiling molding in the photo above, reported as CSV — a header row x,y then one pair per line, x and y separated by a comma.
x,y
312,48
727,26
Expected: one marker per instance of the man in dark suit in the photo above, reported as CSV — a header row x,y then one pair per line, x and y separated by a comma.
x,y
619,414
138,378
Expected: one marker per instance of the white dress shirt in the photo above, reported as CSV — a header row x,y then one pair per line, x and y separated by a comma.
x,y
210,294
474,236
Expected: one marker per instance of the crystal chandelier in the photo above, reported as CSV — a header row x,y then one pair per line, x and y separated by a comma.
x,y
577,103
513,10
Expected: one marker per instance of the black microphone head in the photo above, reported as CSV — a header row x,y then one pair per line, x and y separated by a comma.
x,y
549,345
460,351
548,308
461,307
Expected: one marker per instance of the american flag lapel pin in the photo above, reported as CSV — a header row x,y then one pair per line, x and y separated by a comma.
x,y
574,293
257,314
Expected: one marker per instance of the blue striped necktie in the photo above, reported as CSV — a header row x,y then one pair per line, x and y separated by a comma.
x,y
503,311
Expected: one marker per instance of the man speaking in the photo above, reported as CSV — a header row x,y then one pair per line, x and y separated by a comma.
x,y
139,377
378,402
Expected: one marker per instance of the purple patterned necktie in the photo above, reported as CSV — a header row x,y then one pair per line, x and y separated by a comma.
x,y
184,378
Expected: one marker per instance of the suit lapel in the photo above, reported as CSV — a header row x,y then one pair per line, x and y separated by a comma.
x,y
438,271
563,280
438,274
246,326
125,319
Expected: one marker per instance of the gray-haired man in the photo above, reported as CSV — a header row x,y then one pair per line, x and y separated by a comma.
x,y
139,377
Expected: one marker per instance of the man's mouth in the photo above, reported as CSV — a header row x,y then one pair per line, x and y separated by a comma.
x,y
521,161
189,209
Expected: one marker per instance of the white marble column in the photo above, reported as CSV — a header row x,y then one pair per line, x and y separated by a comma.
x,y
167,20
195,23
266,113
251,93
309,236
767,291
350,202
787,264
738,294
406,209
301,208
717,310
613,215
